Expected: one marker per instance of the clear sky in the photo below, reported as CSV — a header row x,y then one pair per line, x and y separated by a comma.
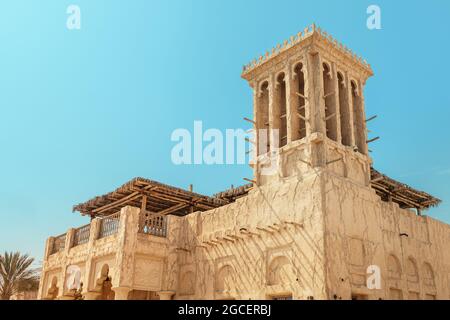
x,y
83,111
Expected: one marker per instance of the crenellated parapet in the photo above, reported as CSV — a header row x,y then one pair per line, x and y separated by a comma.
x,y
300,38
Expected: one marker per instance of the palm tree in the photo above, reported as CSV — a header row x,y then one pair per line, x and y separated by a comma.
x,y
16,274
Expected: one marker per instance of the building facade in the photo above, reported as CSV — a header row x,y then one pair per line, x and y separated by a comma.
x,y
316,222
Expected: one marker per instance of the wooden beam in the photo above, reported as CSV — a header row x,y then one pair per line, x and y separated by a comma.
x,y
301,95
131,197
330,116
377,179
144,203
328,94
335,160
302,117
372,140
173,209
249,120
371,118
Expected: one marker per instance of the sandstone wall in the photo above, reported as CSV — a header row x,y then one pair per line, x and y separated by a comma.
x,y
267,244
361,230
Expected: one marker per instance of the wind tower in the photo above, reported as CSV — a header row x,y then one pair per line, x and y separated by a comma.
x,y
308,108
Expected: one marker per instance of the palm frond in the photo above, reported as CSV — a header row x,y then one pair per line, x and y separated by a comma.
x,y
16,274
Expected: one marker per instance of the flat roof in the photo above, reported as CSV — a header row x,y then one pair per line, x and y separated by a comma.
x,y
407,197
165,199
159,197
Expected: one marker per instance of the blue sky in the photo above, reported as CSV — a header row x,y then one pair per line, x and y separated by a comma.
x,y
83,111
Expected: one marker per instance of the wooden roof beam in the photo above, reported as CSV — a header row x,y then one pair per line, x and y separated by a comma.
x,y
131,197
173,209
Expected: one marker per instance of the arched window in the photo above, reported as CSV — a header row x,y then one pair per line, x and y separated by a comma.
x,y
103,284
411,270
394,267
225,280
262,121
428,275
344,108
298,122
280,271
358,119
280,110
53,290
330,102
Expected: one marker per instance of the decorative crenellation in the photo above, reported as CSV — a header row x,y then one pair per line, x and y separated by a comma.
x,y
299,37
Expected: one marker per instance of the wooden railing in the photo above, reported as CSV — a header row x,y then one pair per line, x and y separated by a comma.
x,y
81,235
59,243
149,223
153,224
109,225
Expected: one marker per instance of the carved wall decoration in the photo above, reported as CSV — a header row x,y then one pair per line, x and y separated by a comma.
x,y
411,270
428,275
225,279
99,267
53,290
394,267
280,271
148,273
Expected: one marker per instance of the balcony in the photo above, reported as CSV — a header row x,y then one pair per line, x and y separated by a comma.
x,y
130,245
151,224
118,243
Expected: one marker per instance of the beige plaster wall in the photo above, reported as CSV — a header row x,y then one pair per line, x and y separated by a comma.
x,y
280,252
310,236
362,230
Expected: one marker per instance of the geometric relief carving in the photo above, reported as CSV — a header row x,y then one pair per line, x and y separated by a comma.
x,y
394,268
148,274
280,271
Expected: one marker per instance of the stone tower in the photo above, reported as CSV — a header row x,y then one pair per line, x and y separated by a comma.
x,y
308,106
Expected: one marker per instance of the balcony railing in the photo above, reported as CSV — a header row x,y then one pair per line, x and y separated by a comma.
x,y
109,225
149,223
81,235
59,243
153,224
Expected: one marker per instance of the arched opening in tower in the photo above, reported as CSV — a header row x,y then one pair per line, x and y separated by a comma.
x,y
262,121
330,103
280,110
346,130
358,119
299,123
